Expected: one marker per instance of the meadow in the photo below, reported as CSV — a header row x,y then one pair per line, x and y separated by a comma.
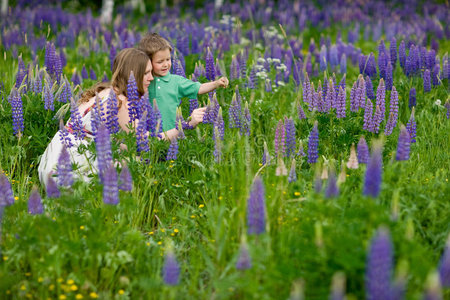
x,y
264,200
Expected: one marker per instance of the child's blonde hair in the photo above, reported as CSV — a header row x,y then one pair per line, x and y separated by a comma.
x,y
152,43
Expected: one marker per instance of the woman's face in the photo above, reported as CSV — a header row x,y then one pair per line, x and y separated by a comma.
x,y
148,77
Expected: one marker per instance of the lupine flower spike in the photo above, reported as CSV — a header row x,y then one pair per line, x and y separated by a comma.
x,y
332,189
256,208
363,151
444,265
52,188
35,202
244,261
125,179
372,180
6,194
171,268
313,144
403,145
64,168
379,266
110,187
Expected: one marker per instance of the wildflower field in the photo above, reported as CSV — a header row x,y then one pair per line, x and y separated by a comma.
x,y
321,172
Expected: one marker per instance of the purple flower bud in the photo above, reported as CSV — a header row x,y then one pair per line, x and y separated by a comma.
x,y
6,194
393,52
280,145
444,266
52,188
412,98
340,104
369,89
379,266
402,54
48,97
426,81
75,79
103,147
372,180
256,211
368,112
389,78
290,136
244,261
112,120
171,269
15,99
234,68
300,112
343,64
35,203
92,74
141,134
332,190
110,188
363,151
84,73
403,145
173,150
393,112
125,179
64,168
313,144
209,66
133,98
354,103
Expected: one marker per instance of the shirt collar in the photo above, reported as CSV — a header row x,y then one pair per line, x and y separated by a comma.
x,y
164,78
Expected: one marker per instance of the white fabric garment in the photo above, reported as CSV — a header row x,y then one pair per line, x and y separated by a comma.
x,y
85,162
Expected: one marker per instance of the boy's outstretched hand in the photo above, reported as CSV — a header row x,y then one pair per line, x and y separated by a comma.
x,y
197,116
222,82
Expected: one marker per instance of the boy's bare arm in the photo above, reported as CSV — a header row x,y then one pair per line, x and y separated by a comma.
x,y
212,85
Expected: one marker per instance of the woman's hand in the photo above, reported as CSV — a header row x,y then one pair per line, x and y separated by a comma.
x,y
197,116
222,82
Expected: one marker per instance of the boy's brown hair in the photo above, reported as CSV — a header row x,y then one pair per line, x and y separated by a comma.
x,y
152,43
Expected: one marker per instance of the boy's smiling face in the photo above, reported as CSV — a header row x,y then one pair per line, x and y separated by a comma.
x,y
161,63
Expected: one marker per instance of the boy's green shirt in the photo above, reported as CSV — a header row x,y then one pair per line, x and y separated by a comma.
x,y
167,91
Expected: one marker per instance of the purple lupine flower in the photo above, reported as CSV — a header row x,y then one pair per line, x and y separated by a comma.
x,y
112,55
103,147
252,80
35,203
368,112
393,112
64,135
178,68
75,79
389,78
209,66
75,121
218,72
244,261
217,146
48,97
58,68
411,127
369,89
6,194
105,77
426,81
246,121
379,266
15,99
96,115
112,120
332,190
256,210
323,58
382,61
37,86
110,188
133,98
220,125
381,95
49,61
141,134
403,144
372,180
376,120
393,52
292,172
125,179
172,153
51,188
193,105
66,92
289,128
361,92
363,151
340,104
234,68
435,75
22,72
371,69
300,111
412,98
334,60
330,97
92,74
171,269
280,145
84,73
354,103
313,144
64,168
444,266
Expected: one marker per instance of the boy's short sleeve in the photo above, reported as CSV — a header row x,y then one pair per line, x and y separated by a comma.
x,y
187,88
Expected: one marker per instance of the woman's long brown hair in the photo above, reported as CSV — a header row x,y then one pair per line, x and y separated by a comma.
x,y
126,61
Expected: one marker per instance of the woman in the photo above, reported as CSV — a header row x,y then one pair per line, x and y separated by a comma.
x,y
127,61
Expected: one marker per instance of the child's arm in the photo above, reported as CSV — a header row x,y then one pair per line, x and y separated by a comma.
x,y
212,85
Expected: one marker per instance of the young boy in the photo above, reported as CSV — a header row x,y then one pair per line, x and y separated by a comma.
x,y
167,88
